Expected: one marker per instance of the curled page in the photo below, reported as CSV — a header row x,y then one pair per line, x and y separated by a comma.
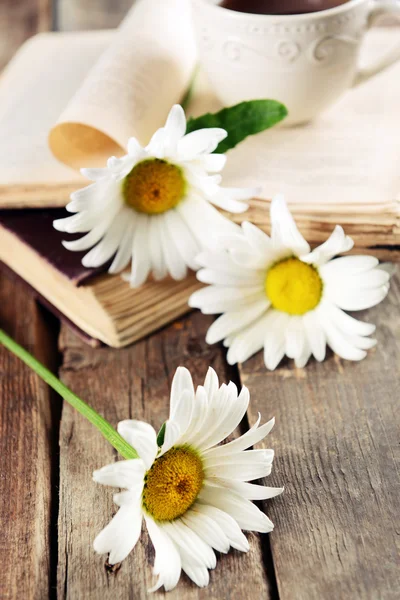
x,y
130,90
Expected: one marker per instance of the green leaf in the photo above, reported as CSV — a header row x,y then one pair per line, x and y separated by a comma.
x,y
161,435
241,120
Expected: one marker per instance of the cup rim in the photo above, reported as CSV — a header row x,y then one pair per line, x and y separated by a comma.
x,y
321,14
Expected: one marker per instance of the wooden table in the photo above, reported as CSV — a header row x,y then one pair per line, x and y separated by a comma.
x,y
336,440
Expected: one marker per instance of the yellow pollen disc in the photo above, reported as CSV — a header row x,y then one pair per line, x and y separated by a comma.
x,y
293,286
173,484
154,186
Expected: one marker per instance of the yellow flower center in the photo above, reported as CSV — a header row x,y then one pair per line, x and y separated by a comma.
x,y
293,286
173,484
154,186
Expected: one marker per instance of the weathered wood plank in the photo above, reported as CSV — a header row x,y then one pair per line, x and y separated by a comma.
x,y
91,14
337,453
27,437
20,20
131,383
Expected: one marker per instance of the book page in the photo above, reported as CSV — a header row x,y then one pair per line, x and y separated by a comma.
x,y
130,91
34,90
346,161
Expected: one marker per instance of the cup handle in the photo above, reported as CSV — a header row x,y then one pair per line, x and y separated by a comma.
x,y
389,7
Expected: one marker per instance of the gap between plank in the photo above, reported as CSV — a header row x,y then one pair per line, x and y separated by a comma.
x,y
266,549
54,361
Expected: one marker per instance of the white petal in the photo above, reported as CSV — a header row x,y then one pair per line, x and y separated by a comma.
x,y
258,240
157,260
347,324
371,279
224,201
199,575
200,553
340,344
337,243
95,174
248,341
295,337
135,149
90,239
242,466
182,382
156,146
231,322
211,383
241,193
213,276
215,299
248,439
108,246
121,167
246,514
355,299
126,474
78,223
119,537
175,263
129,496
202,141
82,199
172,435
185,242
302,359
124,253
315,335
225,413
223,261
251,260
142,437
167,563
175,129
283,228
234,241
232,530
274,343
207,529
349,265
199,415
250,491
213,163
204,184
140,253
183,413
204,221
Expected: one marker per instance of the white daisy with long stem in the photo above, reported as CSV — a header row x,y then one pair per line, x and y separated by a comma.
x,y
276,294
154,206
192,493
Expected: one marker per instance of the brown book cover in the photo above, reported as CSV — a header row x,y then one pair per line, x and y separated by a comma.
x,y
35,228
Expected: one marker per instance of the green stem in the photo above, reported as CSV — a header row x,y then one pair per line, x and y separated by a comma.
x,y
89,413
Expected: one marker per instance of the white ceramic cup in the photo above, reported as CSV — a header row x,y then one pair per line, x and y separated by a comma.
x,y
305,61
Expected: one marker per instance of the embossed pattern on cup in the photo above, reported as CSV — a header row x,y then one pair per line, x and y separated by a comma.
x,y
306,61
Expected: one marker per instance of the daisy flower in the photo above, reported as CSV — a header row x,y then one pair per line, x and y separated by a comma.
x,y
191,492
153,207
276,294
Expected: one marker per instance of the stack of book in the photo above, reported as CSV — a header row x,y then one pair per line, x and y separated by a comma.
x,y
71,100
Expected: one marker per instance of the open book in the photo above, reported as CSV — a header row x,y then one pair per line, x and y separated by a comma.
x,y
69,100
72,99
